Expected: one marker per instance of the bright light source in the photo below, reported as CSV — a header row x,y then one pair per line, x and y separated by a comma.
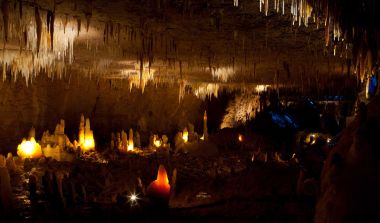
x,y
133,198
185,135
89,143
240,138
260,88
29,149
130,147
157,143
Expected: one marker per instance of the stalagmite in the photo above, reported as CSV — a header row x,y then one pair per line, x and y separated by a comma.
x,y
156,141
81,129
124,142
174,181
185,135
32,133
86,135
10,163
205,131
29,149
130,141
5,186
159,190
137,140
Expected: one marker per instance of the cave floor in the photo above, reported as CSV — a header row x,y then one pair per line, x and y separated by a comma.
x,y
229,189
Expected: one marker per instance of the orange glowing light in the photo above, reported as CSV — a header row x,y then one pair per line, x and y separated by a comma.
x,y
86,135
89,142
240,138
162,177
185,135
130,147
157,143
160,188
29,149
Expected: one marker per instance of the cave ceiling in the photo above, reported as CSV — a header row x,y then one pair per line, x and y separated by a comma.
x,y
165,42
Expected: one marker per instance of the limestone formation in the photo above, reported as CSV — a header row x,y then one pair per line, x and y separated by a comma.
x,y
5,185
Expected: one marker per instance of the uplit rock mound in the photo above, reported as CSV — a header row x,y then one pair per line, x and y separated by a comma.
x,y
350,185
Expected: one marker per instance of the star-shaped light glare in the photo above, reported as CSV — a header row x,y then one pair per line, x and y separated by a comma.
x,y
133,198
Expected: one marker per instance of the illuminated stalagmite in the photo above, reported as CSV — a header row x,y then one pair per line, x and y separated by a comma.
x,y
159,190
131,146
29,149
86,136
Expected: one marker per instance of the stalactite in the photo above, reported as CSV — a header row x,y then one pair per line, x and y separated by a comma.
x,y
327,32
79,23
118,33
141,71
65,23
111,29
52,30
236,3
105,33
48,16
38,27
88,20
4,71
283,7
20,8
5,11
25,38
50,26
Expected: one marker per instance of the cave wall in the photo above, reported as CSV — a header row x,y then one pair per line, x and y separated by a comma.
x,y
110,105
350,180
